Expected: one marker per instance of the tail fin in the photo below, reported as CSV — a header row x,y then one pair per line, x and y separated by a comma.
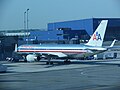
x,y
98,36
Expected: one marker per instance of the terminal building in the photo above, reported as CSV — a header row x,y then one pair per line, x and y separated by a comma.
x,y
84,28
80,30
75,31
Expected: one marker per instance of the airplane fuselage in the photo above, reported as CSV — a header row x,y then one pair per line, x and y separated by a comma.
x,y
69,50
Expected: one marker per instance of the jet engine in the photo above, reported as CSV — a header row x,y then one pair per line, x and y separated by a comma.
x,y
32,57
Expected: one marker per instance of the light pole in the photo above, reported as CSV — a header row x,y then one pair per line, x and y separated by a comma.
x,y
27,26
24,20
27,19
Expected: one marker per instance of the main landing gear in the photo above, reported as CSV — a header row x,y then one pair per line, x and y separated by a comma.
x,y
49,62
67,61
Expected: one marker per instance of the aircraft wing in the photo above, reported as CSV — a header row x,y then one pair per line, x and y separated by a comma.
x,y
47,54
58,54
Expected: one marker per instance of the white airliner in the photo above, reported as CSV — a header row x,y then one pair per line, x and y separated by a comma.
x,y
34,52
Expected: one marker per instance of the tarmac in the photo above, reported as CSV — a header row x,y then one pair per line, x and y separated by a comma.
x,y
79,75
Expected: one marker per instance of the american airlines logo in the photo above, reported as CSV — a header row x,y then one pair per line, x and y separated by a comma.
x,y
97,36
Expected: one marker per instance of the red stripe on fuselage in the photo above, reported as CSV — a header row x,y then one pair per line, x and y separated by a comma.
x,y
67,51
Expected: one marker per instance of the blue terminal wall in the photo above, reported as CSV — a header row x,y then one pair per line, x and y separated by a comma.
x,y
85,24
90,25
112,22
113,27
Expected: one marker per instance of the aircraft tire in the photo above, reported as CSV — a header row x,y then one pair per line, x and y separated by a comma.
x,y
51,63
47,63
67,61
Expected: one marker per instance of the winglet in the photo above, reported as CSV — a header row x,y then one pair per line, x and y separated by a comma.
x,y
15,47
98,36
113,43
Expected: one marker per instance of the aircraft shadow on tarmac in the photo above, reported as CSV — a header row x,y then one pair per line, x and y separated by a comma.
x,y
13,80
52,65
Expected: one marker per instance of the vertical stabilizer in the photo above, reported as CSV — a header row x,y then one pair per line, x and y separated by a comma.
x,y
98,36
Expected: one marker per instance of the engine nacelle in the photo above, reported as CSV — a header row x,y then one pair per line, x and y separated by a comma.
x,y
31,58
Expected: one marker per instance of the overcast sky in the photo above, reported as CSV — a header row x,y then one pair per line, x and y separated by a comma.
x,y
46,11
